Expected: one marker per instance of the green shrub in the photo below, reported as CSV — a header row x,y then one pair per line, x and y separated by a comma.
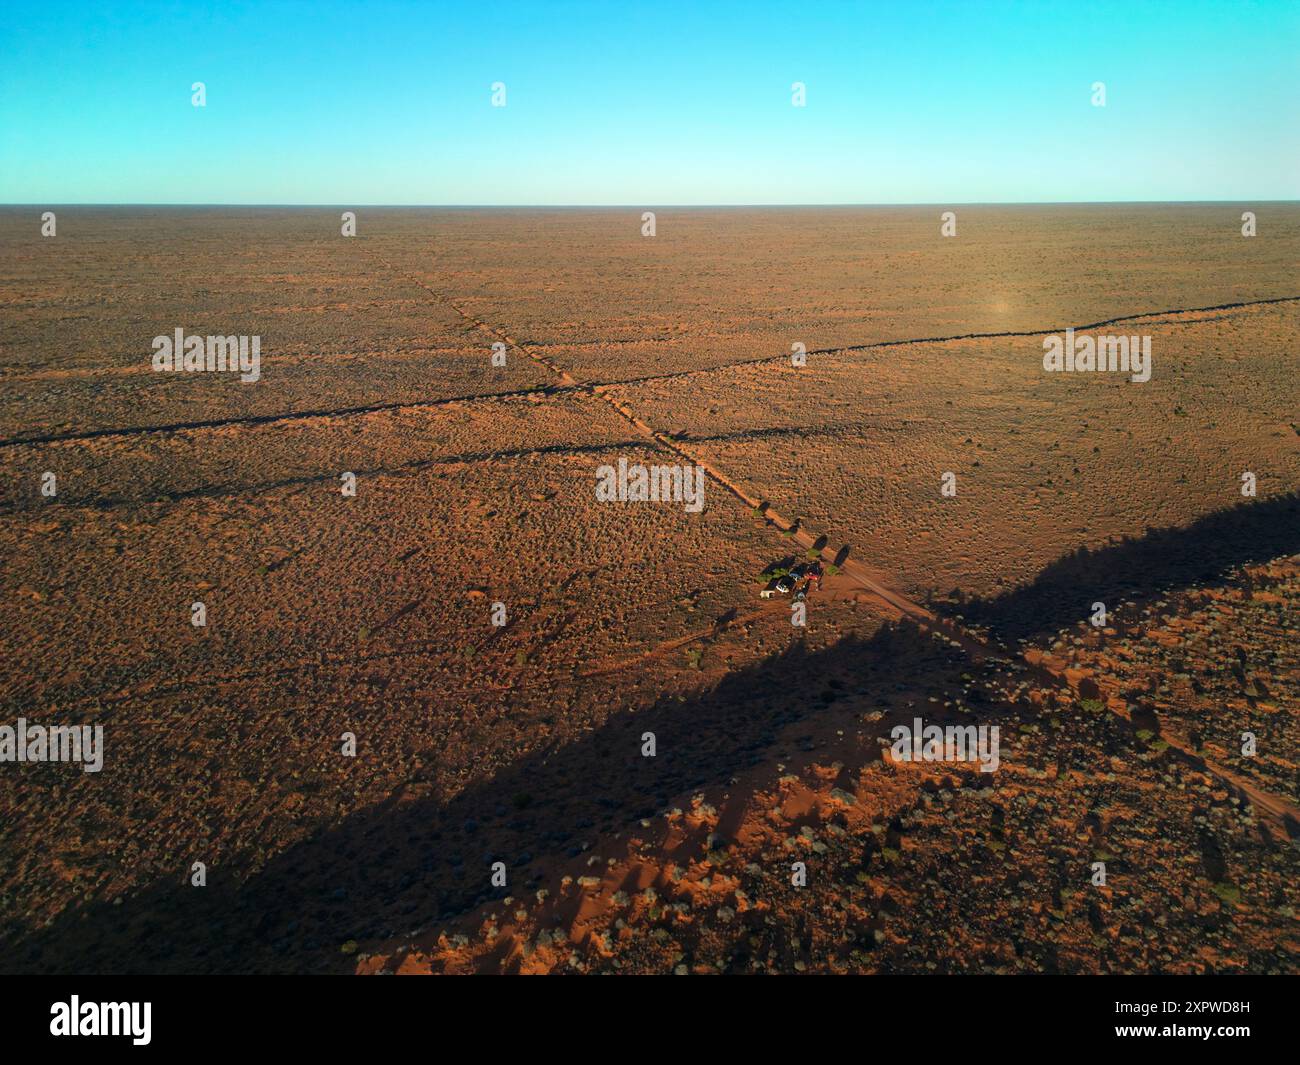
x,y
1229,893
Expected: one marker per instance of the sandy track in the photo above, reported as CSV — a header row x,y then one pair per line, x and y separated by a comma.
x,y
1281,816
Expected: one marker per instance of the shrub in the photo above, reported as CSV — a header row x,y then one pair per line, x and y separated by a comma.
x,y
1227,892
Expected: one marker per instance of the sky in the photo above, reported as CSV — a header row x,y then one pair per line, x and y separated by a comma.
x,y
648,104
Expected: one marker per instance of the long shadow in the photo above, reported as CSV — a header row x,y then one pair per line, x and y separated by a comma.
x,y
1140,569
404,865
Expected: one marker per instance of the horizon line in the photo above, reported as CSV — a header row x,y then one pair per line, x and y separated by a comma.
x,y
641,205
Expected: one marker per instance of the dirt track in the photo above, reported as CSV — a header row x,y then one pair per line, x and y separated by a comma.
x,y
1282,816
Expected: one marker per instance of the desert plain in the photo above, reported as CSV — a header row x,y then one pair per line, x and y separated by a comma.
x,y
498,642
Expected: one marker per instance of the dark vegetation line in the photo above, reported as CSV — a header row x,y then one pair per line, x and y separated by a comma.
x,y
570,385
268,419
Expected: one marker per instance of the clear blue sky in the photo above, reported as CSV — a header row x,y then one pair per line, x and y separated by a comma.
x,y
655,104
